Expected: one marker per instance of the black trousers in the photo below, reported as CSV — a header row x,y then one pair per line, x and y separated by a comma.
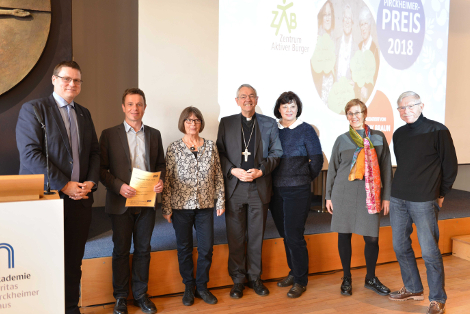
x,y
290,206
136,223
77,219
203,221
245,219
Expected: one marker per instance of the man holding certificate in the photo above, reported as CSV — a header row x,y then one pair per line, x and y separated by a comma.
x,y
132,149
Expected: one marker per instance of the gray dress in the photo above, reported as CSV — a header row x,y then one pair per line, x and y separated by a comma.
x,y
349,197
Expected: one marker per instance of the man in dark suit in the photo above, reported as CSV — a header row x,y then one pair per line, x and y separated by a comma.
x,y
249,149
129,145
74,163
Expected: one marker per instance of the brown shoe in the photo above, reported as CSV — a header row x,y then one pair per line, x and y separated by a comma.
x,y
286,282
436,308
296,291
403,295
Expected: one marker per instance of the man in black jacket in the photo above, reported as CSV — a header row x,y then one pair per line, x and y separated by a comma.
x,y
249,149
426,170
129,145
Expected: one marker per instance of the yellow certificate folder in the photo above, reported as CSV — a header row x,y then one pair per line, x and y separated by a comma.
x,y
143,182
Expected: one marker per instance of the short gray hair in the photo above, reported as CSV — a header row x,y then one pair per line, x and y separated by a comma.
x,y
246,85
365,16
408,94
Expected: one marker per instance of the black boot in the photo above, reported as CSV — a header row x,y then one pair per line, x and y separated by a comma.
x,y
258,287
237,291
207,296
121,306
188,296
346,286
374,284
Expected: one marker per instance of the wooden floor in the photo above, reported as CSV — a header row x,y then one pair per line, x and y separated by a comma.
x,y
323,295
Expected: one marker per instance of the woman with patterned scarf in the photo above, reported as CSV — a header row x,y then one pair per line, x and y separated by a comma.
x,y
357,189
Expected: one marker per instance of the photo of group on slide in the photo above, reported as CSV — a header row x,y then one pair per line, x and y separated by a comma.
x,y
346,59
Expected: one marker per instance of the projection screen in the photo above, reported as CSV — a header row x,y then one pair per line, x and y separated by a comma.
x,y
329,52
198,52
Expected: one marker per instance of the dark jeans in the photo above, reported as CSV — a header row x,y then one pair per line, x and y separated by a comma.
x,y
77,219
137,223
289,207
425,215
203,222
245,217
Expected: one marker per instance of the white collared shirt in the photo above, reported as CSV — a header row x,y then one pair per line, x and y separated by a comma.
x,y
62,105
292,126
136,142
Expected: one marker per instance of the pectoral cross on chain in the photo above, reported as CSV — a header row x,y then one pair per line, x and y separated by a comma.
x,y
246,153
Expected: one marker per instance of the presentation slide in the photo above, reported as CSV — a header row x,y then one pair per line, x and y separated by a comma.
x,y
329,52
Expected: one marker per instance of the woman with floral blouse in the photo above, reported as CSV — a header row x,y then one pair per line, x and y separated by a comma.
x,y
193,178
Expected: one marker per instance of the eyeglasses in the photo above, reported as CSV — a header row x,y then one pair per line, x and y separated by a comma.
x,y
69,79
243,97
403,108
357,114
190,121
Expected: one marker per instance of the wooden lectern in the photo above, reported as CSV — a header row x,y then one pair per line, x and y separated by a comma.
x,y
23,188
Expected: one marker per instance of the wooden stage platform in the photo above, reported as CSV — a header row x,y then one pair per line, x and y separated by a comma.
x,y
165,279
323,296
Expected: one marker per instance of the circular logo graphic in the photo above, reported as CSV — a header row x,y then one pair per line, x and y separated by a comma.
x,y
346,59
401,28
24,29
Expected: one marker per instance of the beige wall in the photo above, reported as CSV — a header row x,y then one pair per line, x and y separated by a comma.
x,y
458,83
105,45
182,47
463,178
458,79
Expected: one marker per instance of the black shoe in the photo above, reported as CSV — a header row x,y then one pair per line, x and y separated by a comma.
x,y
296,291
237,291
121,306
146,305
188,296
286,282
258,286
374,284
207,296
346,286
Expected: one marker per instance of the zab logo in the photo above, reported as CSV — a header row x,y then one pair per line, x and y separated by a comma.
x,y
290,23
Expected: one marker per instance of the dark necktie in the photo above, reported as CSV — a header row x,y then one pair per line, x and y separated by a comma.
x,y
74,144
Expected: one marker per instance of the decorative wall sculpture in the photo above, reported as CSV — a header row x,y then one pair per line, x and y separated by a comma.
x,y
24,29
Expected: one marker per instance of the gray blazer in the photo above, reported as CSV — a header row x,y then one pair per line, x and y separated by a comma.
x,y
268,151
116,168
